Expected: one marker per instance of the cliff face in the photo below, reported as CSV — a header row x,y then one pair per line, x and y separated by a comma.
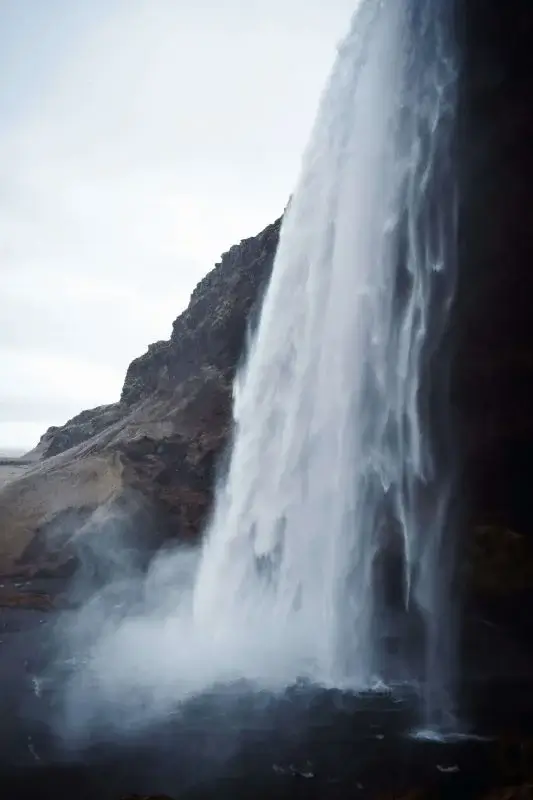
x,y
151,457
493,388
492,380
209,334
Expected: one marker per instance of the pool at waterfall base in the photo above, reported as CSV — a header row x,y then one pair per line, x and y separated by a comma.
x,y
238,741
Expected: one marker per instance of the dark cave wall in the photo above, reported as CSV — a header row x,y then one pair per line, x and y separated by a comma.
x,y
493,324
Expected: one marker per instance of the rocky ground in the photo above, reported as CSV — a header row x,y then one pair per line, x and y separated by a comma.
x,y
239,743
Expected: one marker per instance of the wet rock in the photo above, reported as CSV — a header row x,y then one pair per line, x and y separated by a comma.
x,y
496,569
499,561
492,380
146,797
491,327
524,792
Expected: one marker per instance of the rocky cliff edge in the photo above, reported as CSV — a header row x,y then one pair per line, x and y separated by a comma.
x,y
151,457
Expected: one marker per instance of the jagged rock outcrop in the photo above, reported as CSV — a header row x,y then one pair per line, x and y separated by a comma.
x,y
210,333
83,426
153,453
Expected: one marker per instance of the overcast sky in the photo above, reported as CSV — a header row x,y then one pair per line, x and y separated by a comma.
x,y
139,139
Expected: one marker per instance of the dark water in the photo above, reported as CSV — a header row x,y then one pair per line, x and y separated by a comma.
x,y
240,742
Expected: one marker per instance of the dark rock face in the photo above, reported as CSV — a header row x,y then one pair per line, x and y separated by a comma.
x,y
492,380
80,428
494,375
211,331
176,472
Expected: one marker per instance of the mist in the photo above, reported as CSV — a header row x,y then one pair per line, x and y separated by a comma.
x,y
138,141
129,654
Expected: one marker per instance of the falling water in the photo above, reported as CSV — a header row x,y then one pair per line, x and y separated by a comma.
x,y
326,550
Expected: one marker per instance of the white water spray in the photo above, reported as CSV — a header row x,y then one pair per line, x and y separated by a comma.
x,y
328,554
333,469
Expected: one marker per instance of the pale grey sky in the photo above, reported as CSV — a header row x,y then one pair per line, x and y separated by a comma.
x,y
139,139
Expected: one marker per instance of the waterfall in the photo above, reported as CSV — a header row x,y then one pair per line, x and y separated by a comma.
x,y
326,552
329,553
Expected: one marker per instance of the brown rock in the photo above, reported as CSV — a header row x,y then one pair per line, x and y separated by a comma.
x,y
155,452
36,601
45,493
